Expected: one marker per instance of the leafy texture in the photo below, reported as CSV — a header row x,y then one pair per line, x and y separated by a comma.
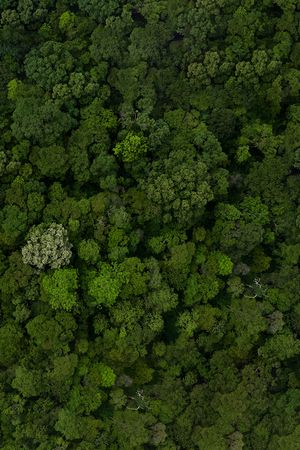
x,y
149,224
59,288
47,247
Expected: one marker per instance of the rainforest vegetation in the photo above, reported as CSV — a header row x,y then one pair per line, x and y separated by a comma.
x,y
149,224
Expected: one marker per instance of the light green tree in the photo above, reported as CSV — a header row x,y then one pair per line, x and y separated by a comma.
x,y
59,288
102,375
106,286
131,148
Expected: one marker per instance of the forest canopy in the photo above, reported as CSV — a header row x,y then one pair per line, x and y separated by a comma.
x,y
149,224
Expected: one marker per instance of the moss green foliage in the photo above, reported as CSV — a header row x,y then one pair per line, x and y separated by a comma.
x,y
105,286
66,20
12,87
103,375
59,288
10,340
50,161
89,251
131,148
149,224
219,263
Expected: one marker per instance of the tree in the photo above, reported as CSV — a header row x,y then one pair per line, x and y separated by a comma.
x,y
49,64
160,139
208,437
201,287
129,429
67,424
66,21
59,288
131,148
99,11
219,263
280,347
10,341
89,251
47,247
135,277
85,399
105,286
13,223
43,123
60,377
283,442
50,161
177,267
178,187
101,374
27,382
52,333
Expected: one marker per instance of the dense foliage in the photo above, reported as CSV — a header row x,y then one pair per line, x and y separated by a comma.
x,y
149,224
